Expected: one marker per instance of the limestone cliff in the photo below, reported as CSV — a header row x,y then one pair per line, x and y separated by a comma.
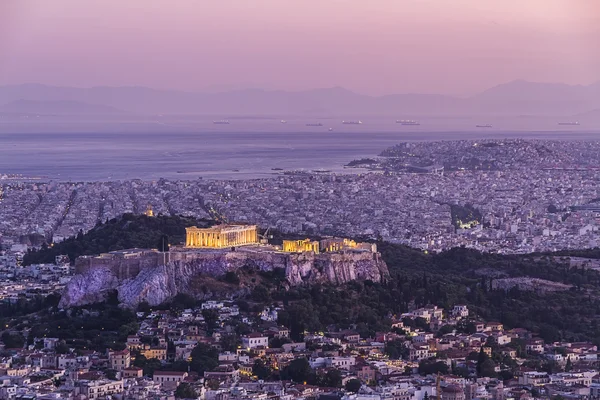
x,y
157,283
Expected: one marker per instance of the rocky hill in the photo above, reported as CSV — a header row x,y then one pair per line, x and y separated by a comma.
x,y
156,284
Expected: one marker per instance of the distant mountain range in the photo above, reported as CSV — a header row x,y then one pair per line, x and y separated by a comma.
x,y
57,107
513,98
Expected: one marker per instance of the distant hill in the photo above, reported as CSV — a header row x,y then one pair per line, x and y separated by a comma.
x,y
57,107
513,98
589,115
125,232
537,98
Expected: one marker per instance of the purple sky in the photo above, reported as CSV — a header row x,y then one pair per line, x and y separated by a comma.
x,y
370,46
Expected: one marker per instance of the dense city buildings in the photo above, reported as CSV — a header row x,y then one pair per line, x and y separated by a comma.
x,y
530,195
509,196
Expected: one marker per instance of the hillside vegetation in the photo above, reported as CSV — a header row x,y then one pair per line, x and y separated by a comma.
x,y
126,232
457,276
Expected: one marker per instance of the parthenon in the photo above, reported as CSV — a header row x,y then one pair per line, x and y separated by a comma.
x,y
221,236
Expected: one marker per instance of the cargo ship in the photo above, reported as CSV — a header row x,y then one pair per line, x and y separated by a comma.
x,y
221,122
573,123
407,122
314,124
483,126
351,122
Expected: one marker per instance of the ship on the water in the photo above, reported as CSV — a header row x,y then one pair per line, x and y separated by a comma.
x,y
571,123
407,122
352,122
283,121
221,122
483,126
314,124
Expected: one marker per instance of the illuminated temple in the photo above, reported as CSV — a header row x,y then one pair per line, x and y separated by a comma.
x,y
221,236
327,245
299,246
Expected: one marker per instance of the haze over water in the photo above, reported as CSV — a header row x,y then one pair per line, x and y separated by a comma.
x,y
224,154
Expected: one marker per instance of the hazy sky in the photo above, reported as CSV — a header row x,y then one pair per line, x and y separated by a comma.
x,y
370,46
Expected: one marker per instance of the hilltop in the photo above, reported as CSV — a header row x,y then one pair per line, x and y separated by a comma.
x,y
547,294
126,232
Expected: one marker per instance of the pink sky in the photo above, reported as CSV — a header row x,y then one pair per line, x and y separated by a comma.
x,y
370,46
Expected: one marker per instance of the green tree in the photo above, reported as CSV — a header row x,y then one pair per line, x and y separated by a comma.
x,y
11,341
230,342
353,385
163,243
61,348
569,365
332,378
211,318
432,366
481,358
140,361
111,374
204,358
151,365
298,370
488,369
185,391
260,370
213,384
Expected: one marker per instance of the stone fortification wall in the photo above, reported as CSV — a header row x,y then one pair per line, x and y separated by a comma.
x,y
148,278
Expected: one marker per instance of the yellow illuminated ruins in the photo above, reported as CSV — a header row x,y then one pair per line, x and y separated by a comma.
x,y
327,245
221,236
298,246
149,212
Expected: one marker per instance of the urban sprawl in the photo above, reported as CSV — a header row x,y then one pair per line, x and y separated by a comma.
x,y
499,196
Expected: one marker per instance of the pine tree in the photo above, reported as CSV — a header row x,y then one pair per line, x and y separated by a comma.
x,y
569,365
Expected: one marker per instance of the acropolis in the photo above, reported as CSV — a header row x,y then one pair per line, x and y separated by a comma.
x,y
326,245
221,236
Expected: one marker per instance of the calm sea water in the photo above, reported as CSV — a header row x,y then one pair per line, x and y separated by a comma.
x,y
225,154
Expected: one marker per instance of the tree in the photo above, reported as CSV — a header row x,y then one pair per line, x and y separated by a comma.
x,y
230,342
12,341
260,370
261,294
333,378
432,366
213,384
140,361
298,370
353,385
204,358
163,243
151,365
481,358
396,349
111,374
445,330
569,365
185,391
488,369
232,277
211,317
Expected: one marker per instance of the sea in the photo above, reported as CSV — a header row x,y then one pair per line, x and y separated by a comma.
x,y
243,149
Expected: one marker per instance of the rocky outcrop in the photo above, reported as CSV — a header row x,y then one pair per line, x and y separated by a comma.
x,y
157,283
88,288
